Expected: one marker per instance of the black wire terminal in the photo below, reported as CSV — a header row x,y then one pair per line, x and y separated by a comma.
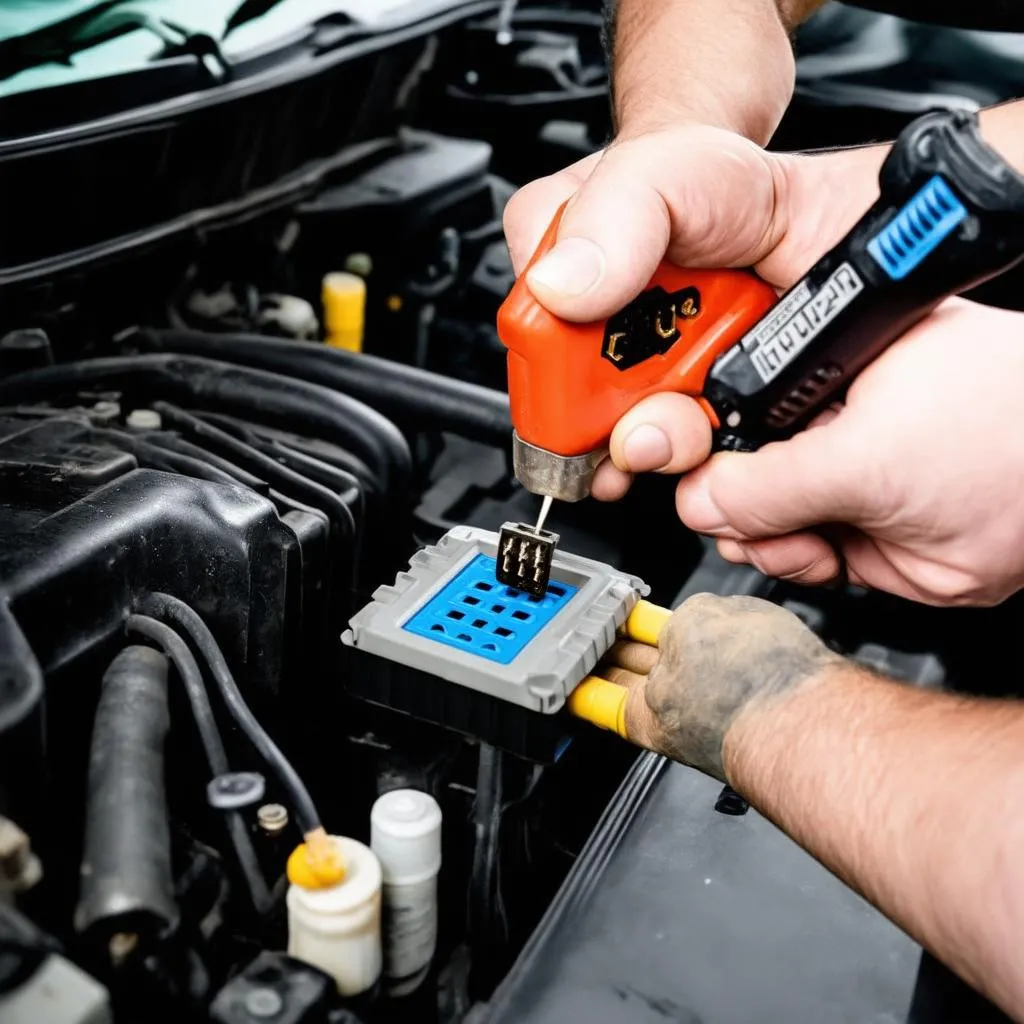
x,y
524,558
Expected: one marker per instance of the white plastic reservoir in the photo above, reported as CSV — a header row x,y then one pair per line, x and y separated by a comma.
x,y
405,834
338,929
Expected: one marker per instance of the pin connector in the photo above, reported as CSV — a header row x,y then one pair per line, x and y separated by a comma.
x,y
524,558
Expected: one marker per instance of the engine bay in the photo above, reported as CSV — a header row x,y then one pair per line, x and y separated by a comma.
x,y
199,490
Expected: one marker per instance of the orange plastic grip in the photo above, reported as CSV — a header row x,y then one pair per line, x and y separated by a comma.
x,y
570,383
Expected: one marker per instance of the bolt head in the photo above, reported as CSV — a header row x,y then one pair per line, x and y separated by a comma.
x,y
263,1003
234,790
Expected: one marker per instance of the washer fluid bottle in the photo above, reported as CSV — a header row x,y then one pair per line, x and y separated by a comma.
x,y
405,834
337,926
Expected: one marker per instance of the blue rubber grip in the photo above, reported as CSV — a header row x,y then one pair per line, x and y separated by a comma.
x,y
927,219
476,614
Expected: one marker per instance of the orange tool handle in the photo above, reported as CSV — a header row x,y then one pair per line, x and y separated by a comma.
x,y
570,383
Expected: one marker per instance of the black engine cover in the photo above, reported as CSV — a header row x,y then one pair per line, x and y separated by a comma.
x,y
86,532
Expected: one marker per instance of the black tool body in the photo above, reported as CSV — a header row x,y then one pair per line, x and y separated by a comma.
x,y
949,217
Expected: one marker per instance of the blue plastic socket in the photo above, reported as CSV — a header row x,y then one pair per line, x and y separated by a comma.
x,y
475,613
927,219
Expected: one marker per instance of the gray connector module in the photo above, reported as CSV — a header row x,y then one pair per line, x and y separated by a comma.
x,y
448,617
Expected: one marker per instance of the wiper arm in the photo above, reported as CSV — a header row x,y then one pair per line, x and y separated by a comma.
x,y
59,41
248,10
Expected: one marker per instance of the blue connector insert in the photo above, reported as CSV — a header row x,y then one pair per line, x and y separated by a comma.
x,y
476,614
917,229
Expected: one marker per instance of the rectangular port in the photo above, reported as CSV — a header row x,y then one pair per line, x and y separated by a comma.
x,y
477,614
918,229
524,558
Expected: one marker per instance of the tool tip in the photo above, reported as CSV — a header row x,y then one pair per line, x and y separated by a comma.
x,y
545,508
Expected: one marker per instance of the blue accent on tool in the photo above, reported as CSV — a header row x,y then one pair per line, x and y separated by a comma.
x,y
476,614
928,218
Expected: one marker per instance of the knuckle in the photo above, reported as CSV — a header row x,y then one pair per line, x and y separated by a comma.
x,y
513,208
956,587
641,725
817,570
659,696
701,606
745,603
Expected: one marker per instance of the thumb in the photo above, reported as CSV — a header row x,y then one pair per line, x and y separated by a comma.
x,y
819,476
701,196
528,213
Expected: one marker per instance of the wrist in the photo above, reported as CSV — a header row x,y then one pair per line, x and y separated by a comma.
x,y
767,730
666,63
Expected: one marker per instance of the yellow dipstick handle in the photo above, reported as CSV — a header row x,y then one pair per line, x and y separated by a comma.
x,y
344,302
646,622
602,703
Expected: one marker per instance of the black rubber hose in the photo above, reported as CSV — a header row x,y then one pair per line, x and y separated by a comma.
x,y
280,401
343,526
166,607
126,880
252,435
151,456
406,394
487,807
213,746
192,679
173,443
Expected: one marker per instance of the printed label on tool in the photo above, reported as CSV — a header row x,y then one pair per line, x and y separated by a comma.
x,y
780,340
777,317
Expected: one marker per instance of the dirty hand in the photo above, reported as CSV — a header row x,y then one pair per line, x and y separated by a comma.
x,y
702,197
718,658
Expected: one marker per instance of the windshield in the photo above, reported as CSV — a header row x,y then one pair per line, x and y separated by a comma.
x,y
53,42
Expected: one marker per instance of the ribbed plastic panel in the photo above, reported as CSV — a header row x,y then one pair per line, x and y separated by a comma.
x,y
477,614
918,229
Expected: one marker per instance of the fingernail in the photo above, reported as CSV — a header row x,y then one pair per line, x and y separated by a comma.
x,y
646,448
751,556
701,513
573,267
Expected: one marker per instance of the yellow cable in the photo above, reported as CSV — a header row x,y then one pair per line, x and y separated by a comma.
x,y
602,703
646,622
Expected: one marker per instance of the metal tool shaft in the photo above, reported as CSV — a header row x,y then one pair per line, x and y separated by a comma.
x,y
545,508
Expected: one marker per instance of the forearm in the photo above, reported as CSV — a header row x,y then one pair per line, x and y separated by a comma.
x,y
915,798
668,58
853,174
1003,129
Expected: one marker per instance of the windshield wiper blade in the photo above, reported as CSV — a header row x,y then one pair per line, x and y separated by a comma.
x,y
55,43
249,10
59,41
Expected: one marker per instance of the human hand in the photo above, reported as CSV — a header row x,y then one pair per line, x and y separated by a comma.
x,y
717,658
702,197
922,470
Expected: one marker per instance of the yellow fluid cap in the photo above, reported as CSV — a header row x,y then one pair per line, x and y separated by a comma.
x,y
344,301
317,863
602,703
646,622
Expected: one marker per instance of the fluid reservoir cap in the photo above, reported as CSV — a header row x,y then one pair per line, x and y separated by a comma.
x,y
344,302
361,880
405,834
144,419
